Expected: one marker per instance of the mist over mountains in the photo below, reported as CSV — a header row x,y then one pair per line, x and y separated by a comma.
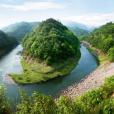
x,y
19,30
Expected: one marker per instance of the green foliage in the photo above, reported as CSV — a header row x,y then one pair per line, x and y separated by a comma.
x,y
97,101
4,105
91,99
107,107
36,72
103,39
36,104
108,88
51,50
51,42
64,107
111,54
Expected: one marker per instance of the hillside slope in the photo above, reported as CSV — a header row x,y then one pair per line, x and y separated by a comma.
x,y
103,39
6,43
80,30
19,30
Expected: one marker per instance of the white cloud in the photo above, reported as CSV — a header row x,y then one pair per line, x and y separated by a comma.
x,y
27,6
92,19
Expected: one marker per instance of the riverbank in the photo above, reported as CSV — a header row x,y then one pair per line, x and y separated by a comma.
x,y
36,72
93,80
100,56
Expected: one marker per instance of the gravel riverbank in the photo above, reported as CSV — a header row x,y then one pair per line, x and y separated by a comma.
x,y
93,80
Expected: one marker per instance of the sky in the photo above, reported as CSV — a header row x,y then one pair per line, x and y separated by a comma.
x,y
88,12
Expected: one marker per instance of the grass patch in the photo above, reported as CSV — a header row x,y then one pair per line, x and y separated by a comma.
x,y
35,72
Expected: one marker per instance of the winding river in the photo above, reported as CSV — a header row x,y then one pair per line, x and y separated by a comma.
x,y
11,64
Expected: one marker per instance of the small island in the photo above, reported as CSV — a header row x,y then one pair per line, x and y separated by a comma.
x,y
49,51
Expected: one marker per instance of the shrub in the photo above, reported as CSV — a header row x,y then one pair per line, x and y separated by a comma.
x,y
4,104
65,106
111,54
51,42
106,107
36,104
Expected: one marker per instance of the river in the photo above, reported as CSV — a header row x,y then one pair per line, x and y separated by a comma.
x,y
11,64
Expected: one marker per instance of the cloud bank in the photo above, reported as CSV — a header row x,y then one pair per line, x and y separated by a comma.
x,y
92,19
27,6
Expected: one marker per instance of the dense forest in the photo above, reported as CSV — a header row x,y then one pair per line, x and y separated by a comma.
x,y
103,39
6,43
51,42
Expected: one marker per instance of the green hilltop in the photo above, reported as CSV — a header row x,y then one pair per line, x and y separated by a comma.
x,y
50,50
51,42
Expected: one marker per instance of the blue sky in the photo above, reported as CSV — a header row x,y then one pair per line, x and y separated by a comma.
x,y
89,12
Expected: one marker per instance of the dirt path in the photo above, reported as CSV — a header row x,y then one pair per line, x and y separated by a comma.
x,y
93,80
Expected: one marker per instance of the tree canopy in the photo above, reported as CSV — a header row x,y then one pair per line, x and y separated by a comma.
x,y
51,42
103,38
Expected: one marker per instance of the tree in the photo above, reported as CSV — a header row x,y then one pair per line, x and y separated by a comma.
x,y
111,54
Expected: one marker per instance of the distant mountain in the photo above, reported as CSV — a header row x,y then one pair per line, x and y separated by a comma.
x,y
79,32
75,24
18,30
78,29
6,43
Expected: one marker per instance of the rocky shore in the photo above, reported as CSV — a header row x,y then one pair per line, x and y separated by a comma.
x,y
91,81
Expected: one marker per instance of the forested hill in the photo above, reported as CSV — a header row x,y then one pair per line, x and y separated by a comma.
x,y
19,30
51,49
6,43
51,42
103,39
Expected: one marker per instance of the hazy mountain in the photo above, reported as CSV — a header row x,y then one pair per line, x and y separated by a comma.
x,y
18,30
78,25
78,29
